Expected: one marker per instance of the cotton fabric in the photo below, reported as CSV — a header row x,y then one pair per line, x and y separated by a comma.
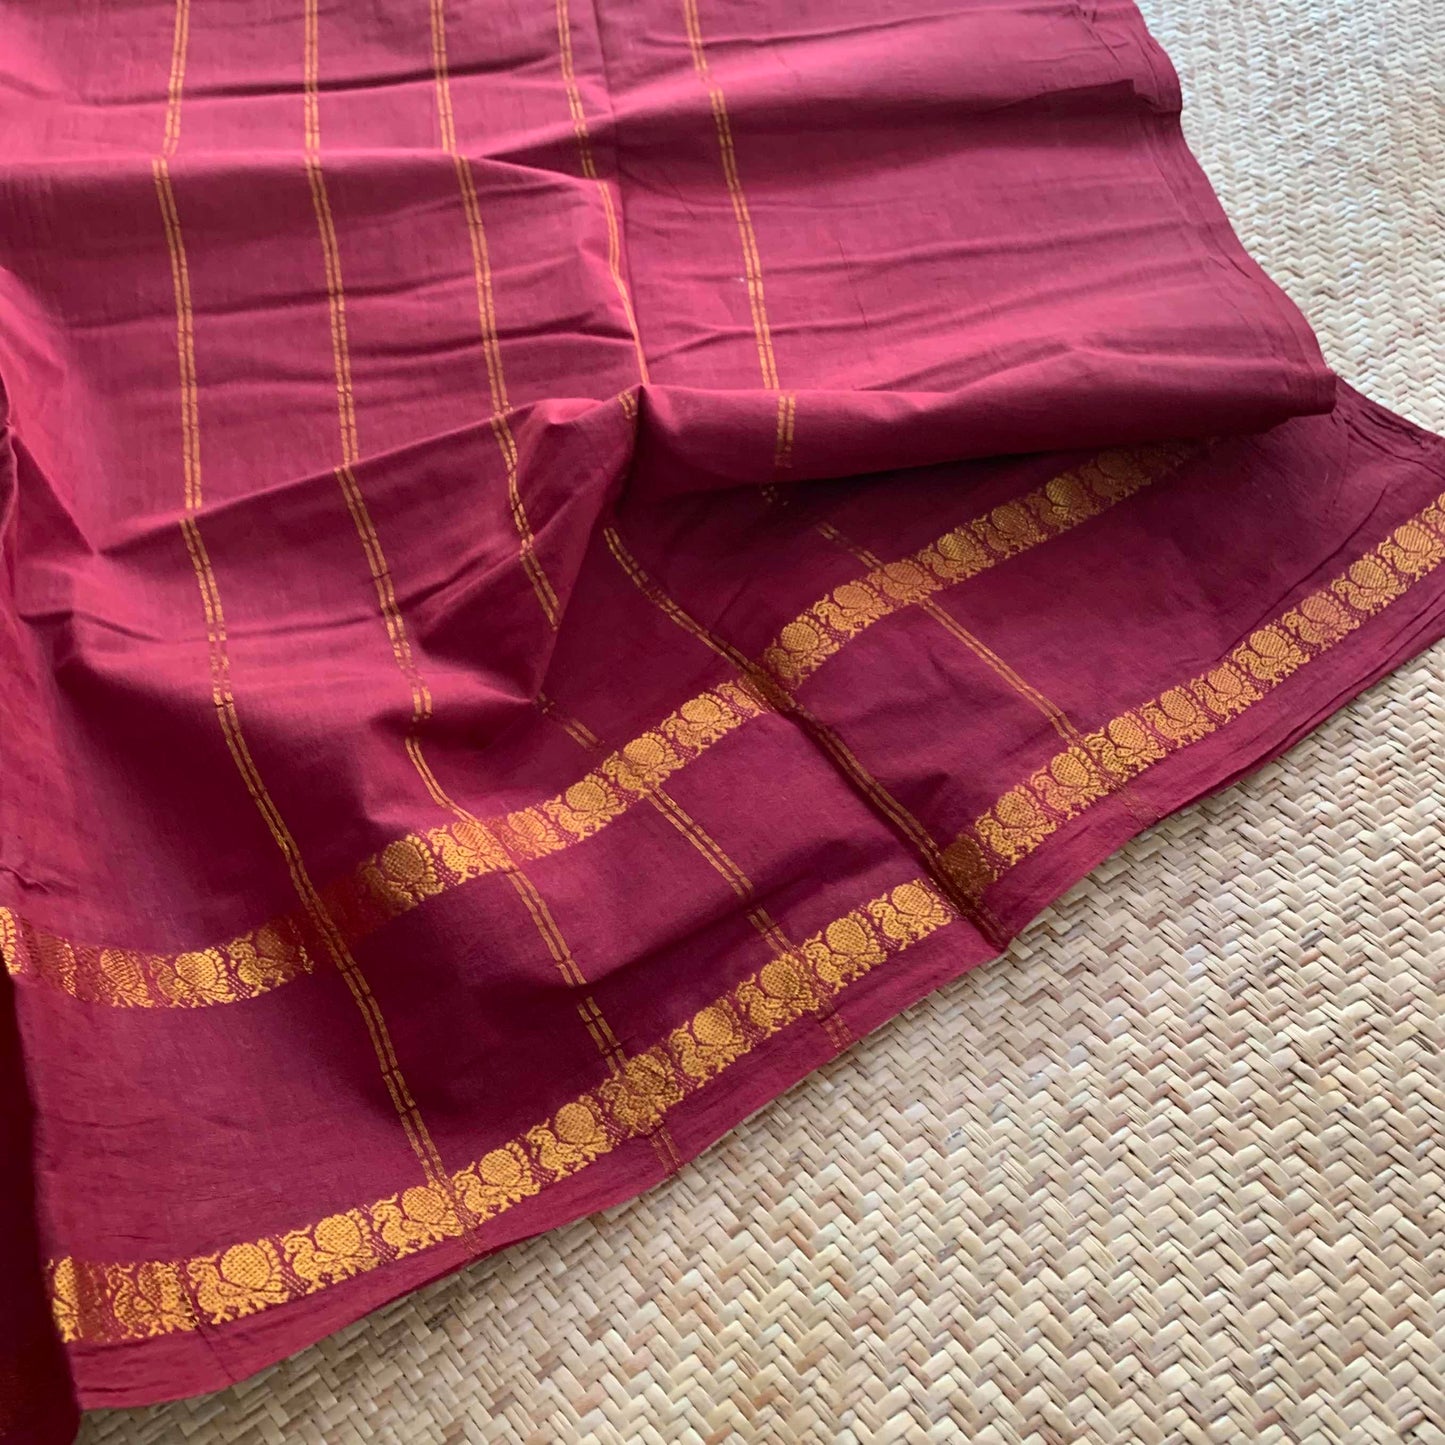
x,y
467,744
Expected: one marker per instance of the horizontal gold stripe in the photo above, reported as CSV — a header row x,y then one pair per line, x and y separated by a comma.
x,y
1100,763
421,865
144,1299
405,872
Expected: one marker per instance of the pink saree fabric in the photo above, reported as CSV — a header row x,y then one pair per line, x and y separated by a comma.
x,y
563,563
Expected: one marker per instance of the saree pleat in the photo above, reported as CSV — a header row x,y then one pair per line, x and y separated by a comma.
x,y
563,565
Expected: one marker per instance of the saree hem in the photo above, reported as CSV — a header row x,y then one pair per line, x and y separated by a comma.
x,y
146,1371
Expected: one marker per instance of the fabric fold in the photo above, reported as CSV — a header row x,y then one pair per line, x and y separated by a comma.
x,y
37,1398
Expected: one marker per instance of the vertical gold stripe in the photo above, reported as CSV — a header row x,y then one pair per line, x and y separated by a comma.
x,y
421,696
752,263
614,264
385,591
330,252
694,37
602,1036
437,793
442,75
783,446
487,318
486,302
421,700
546,927
705,845
222,697
310,104
666,1150
591,1012
175,87
980,649
336,308
1057,718
496,380
185,336
589,169
583,736
775,696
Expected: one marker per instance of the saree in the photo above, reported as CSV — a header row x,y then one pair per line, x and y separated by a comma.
x,y
519,640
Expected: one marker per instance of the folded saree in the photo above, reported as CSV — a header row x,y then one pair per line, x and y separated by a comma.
x,y
561,565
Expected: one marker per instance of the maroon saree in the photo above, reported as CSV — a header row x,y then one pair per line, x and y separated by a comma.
x,y
561,564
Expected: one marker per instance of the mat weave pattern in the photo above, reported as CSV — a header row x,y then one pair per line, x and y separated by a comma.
x,y
1173,1170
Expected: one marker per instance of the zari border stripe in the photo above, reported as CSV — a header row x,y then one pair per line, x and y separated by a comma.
x,y
1060,505
1102,762
421,865
139,1300
392,882
108,1303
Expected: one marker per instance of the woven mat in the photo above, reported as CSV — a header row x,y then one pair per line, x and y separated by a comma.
x,y
1173,1169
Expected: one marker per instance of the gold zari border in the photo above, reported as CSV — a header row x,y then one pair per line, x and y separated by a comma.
x,y
405,872
1060,505
115,1302
1103,761
138,1300
421,865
